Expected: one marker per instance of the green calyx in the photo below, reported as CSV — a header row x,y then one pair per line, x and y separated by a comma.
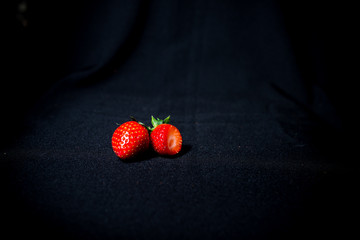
x,y
154,121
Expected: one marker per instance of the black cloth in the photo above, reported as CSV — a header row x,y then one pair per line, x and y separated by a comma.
x,y
250,86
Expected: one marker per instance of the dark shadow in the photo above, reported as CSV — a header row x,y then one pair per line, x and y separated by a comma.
x,y
142,157
184,150
327,209
324,133
124,51
148,155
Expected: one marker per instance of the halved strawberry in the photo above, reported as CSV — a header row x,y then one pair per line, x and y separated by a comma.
x,y
130,139
165,138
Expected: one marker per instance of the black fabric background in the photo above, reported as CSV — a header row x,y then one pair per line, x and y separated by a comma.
x,y
253,87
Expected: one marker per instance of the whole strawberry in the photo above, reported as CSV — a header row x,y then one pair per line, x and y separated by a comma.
x,y
164,137
130,139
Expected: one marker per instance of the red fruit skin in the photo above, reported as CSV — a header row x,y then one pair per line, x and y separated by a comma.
x,y
166,139
130,139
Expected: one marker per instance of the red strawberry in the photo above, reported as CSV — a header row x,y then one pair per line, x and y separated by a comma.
x,y
165,138
130,139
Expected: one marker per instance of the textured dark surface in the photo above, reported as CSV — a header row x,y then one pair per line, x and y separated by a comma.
x,y
248,85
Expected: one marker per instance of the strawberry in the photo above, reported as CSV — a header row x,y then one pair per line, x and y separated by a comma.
x,y
164,137
130,139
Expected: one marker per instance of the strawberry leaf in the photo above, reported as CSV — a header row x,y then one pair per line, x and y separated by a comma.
x,y
157,121
167,120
